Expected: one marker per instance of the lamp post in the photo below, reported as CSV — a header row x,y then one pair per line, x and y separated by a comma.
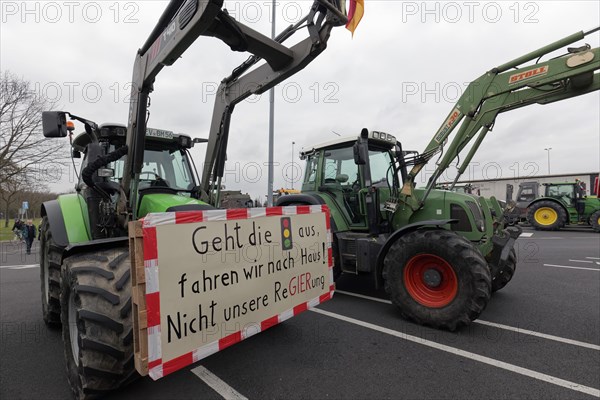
x,y
271,124
548,150
293,143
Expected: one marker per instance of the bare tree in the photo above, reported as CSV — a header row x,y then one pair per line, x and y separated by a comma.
x,y
13,189
23,148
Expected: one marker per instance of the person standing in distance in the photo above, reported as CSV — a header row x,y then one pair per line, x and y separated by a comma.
x,y
29,234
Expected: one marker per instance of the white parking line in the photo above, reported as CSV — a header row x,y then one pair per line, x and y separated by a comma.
x,y
362,296
19,266
582,261
569,267
540,335
466,354
217,384
593,258
496,325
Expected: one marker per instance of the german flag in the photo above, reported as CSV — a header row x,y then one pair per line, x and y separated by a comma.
x,y
355,14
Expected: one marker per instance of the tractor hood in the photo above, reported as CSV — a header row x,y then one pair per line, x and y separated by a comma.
x,y
161,202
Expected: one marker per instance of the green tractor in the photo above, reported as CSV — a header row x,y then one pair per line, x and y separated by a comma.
x,y
564,204
130,171
439,254
439,263
85,268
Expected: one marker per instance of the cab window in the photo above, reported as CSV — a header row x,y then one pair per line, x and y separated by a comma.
x,y
339,166
310,174
380,166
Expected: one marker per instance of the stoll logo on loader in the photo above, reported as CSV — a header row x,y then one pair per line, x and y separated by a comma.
x,y
543,70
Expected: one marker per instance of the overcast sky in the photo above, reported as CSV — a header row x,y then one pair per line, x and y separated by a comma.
x,y
401,73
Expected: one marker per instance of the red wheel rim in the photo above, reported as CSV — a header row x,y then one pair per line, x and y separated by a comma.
x,y
430,280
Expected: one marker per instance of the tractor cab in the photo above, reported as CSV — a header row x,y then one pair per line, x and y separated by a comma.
x,y
566,192
168,180
332,169
167,162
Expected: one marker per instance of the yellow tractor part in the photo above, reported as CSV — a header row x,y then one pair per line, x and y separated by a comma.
x,y
545,216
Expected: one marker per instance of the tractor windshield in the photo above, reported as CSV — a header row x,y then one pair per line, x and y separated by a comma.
x,y
560,191
339,167
162,168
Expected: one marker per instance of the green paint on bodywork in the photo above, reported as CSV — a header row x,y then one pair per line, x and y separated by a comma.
x,y
75,215
160,202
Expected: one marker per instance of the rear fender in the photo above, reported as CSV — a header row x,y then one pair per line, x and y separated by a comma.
x,y
399,233
67,220
51,210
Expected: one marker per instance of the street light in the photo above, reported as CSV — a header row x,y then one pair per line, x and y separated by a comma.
x,y
271,171
293,143
548,150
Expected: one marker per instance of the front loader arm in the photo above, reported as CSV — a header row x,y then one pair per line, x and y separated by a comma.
x,y
180,25
242,84
502,89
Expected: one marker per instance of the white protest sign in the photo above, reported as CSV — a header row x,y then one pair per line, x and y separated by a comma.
x,y
214,278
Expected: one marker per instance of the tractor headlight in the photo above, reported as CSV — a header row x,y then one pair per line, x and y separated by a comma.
x,y
480,225
477,215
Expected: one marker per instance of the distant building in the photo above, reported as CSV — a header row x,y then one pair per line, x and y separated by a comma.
x,y
497,187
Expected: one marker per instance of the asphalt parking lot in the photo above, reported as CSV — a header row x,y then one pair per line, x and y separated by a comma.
x,y
539,338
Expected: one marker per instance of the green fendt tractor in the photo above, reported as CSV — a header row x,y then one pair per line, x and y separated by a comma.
x,y
439,254
128,172
564,204
431,260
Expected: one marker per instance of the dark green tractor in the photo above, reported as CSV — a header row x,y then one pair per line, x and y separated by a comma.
x,y
564,204
440,263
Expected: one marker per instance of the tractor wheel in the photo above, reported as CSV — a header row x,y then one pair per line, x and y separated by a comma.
x,y
595,221
437,278
506,273
50,261
546,216
97,323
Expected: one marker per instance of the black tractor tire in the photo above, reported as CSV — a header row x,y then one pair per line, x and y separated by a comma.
x,y
50,260
463,278
595,221
506,273
97,323
546,216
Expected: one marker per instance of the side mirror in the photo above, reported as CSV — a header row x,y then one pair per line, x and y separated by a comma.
x,y
76,154
54,124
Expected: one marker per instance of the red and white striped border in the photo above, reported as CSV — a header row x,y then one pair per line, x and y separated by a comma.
x,y
156,367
